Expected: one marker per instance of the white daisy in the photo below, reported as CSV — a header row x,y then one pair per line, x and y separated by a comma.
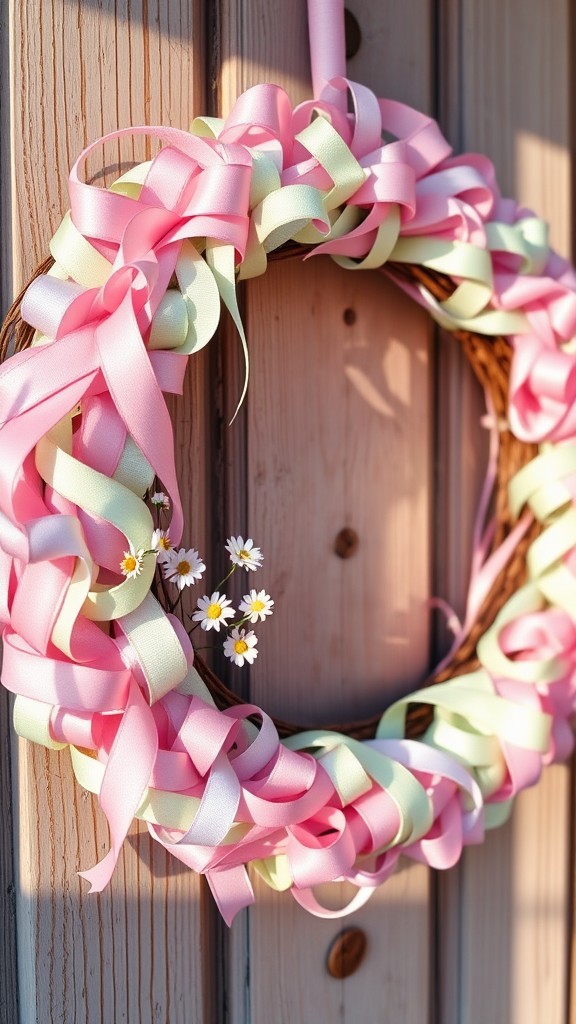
x,y
244,553
160,500
131,564
241,646
183,567
213,610
162,544
256,605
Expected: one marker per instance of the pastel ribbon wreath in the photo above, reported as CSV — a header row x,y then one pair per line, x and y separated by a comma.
x,y
95,662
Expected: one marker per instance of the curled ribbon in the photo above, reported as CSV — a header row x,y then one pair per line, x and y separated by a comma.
x,y
140,272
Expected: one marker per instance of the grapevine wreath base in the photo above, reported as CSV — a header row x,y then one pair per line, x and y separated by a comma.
x,y
134,287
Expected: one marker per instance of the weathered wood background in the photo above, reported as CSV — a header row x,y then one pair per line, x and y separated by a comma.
x,y
369,420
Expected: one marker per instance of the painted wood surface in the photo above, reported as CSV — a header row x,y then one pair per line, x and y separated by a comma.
x,y
503,921
353,451
136,952
8,968
385,404
350,448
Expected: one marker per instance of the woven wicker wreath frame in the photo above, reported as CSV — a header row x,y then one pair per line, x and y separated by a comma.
x,y
490,362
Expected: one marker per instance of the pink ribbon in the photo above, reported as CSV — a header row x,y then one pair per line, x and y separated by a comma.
x,y
327,45
279,801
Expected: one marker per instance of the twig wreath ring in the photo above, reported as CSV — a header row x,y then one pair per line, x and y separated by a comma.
x,y
134,286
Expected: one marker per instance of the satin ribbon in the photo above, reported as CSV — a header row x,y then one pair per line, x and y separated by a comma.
x,y
140,272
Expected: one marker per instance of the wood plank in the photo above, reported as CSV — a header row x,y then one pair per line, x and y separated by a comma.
x,y
8,967
350,447
259,42
87,70
461,456
5,160
514,905
135,952
300,987
338,434
502,922
396,54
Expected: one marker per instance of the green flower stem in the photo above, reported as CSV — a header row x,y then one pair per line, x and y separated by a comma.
x,y
227,577
240,622
167,598
178,600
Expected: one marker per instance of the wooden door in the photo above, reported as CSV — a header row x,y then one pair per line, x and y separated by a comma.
x,y
359,415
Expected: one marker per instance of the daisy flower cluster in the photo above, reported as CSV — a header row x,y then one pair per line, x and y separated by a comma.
x,y
184,567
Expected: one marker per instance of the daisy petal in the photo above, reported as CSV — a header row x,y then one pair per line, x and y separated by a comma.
x,y
240,646
183,567
244,553
213,611
256,605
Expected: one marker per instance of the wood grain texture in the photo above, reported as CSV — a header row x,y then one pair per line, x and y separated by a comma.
x,y
396,55
513,902
8,963
132,954
5,159
351,446
8,967
135,953
502,919
515,90
338,434
82,69
289,980
260,42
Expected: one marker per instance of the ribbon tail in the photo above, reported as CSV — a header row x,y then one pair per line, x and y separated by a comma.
x,y
231,889
102,872
136,744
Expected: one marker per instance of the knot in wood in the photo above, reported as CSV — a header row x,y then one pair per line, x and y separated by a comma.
x,y
346,543
346,953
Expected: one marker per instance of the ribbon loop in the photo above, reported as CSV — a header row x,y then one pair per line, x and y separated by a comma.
x,y
140,272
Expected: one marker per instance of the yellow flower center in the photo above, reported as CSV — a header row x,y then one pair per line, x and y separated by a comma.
x,y
183,568
244,554
165,543
129,563
240,646
214,611
257,605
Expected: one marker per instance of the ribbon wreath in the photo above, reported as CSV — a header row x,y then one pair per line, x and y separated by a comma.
x,y
97,665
